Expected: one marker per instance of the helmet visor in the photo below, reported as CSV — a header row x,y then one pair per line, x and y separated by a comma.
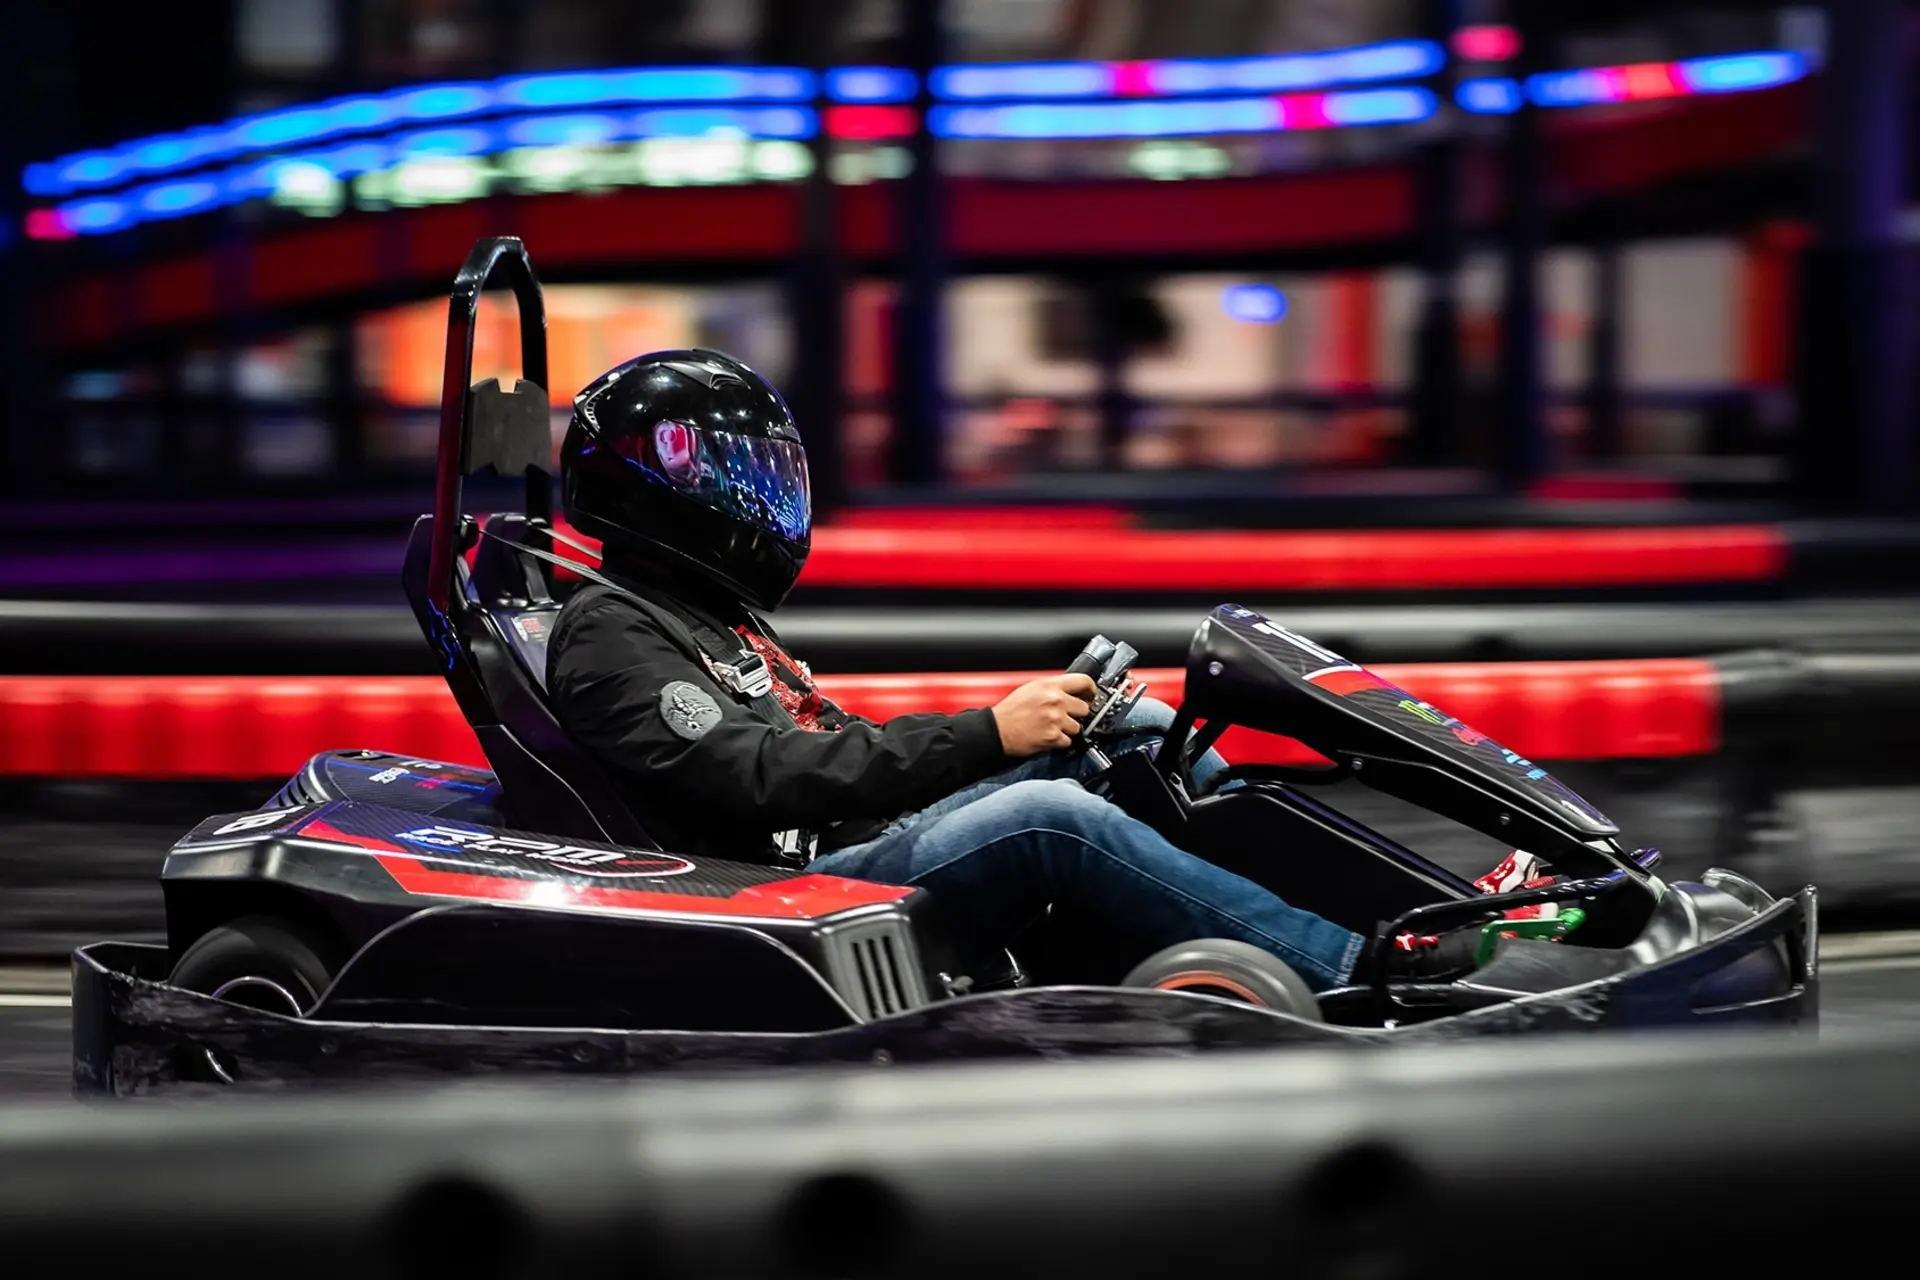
x,y
758,481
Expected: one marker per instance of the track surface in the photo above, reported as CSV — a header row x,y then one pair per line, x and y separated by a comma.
x,y
1859,992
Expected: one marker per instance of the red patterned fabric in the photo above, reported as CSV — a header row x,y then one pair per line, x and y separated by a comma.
x,y
793,687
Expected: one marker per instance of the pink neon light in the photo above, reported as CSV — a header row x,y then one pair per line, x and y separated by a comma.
x,y
1303,111
1489,43
1134,80
1650,80
47,224
870,122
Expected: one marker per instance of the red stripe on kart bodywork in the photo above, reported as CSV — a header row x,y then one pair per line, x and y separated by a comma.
x,y
1341,681
799,898
807,897
320,829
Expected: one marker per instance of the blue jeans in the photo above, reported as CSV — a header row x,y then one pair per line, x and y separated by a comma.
x,y
996,854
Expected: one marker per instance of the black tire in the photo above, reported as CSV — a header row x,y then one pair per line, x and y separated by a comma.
x,y
262,962
1229,969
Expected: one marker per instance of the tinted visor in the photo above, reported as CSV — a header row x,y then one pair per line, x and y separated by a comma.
x,y
756,480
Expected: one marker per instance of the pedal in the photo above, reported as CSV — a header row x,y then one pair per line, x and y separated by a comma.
x,y
1551,929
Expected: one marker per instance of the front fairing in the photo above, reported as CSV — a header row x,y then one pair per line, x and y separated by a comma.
x,y
1246,669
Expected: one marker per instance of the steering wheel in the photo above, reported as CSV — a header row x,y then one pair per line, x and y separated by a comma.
x,y
1110,665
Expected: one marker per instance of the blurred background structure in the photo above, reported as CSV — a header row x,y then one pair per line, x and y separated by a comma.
x,y
1054,248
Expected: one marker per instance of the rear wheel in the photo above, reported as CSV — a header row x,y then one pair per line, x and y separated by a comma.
x,y
265,963
1231,970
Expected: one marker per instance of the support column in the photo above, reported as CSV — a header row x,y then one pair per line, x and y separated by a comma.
x,y
1854,438
1520,437
1433,425
816,286
918,381
345,406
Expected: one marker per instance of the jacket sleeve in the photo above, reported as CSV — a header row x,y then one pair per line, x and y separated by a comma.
x,y
607,684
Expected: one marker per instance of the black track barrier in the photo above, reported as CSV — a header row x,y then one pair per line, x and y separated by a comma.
x,y
1820,759
1710,1154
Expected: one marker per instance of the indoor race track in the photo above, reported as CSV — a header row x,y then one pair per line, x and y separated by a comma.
x,y
1867,981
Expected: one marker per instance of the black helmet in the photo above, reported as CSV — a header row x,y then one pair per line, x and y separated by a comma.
x,y
690,460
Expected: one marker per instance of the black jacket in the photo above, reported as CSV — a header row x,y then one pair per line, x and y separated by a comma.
x,y
726,784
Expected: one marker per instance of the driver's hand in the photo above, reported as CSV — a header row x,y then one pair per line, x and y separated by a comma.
x,y
1044,714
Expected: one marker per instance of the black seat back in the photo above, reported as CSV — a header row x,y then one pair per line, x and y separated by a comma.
x,y
490,626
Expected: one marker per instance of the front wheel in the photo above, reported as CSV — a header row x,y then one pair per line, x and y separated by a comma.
x,y
1229,969
262,962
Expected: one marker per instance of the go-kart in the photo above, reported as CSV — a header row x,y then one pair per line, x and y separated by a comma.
x,y
384,916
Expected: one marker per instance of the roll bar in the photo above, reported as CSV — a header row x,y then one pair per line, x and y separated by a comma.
x,y
511,445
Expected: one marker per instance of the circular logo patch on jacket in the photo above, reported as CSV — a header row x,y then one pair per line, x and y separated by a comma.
x,y
689,710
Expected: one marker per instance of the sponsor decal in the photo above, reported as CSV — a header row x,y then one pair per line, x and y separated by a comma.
x,y
1332,660
1467,735
1422,710
388,775
610,863
256,821
1344,681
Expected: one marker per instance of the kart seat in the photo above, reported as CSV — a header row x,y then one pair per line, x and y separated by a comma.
x,y
513,591
548,783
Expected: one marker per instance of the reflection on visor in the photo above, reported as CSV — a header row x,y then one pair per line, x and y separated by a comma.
x,y
760,481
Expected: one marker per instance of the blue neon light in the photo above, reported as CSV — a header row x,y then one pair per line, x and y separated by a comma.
x,y
574,130
1379,106
470,141
1138,106
96,217
321,121
700,122
1398,60
1572,88
1159,119
256,179
1023,80
1253,303
1743,71
342,117
443,101
1494,96
1106,119
871,84
661,84
177,199
161,154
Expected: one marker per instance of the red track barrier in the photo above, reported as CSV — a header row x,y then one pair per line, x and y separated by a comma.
x,y
1028,555
1247,561
266,727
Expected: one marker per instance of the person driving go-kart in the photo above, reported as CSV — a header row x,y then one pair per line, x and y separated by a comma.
x,y
687,465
